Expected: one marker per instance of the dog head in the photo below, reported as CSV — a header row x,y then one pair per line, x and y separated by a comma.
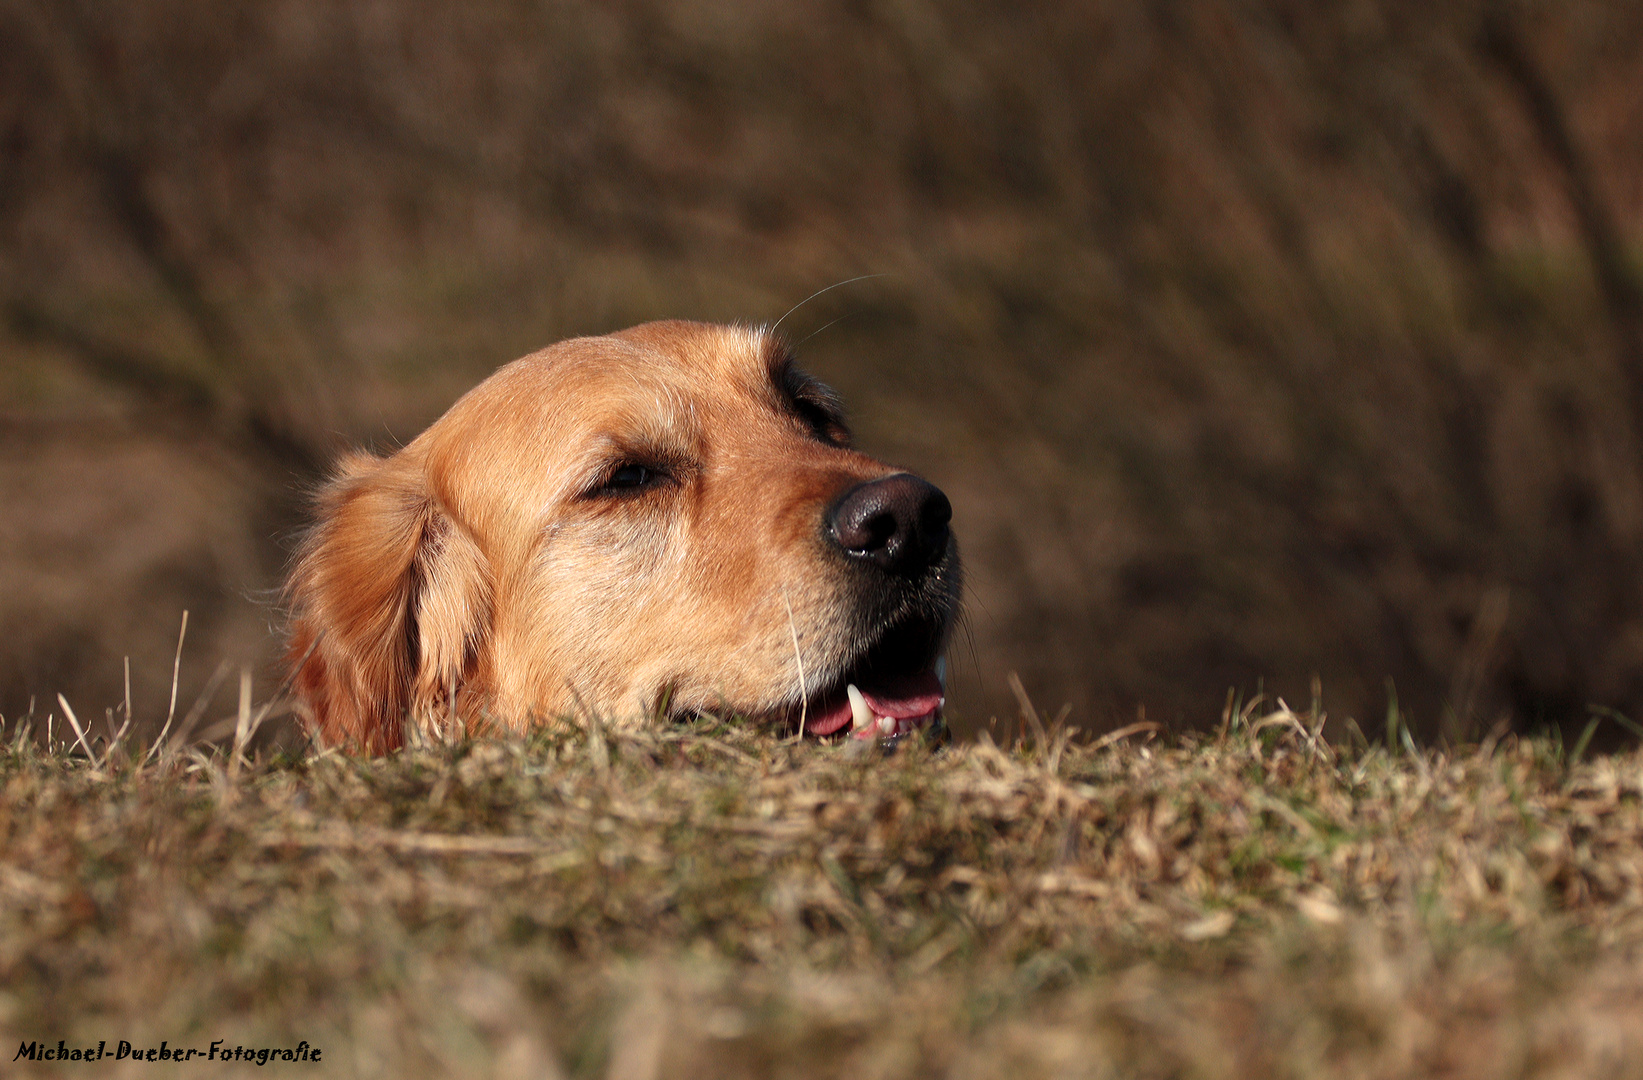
x,y
662,521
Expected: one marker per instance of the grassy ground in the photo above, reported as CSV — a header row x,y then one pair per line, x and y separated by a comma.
x,y
705,901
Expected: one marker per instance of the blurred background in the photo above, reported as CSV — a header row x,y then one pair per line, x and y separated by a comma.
x,y
1261,344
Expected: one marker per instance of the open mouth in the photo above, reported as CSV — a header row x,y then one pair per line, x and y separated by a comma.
x,y
869,705
893,690
890,707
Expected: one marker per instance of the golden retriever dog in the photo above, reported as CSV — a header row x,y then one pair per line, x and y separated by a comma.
x,y
663,522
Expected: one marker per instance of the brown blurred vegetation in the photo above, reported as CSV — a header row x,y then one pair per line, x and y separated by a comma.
x,y
1253,340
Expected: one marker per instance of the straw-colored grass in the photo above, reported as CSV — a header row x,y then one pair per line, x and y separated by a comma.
x,y
706,901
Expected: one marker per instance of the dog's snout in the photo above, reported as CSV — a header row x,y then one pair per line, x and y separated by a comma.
x,y
897,522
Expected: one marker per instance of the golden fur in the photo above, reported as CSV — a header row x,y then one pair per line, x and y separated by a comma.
x,y
503,569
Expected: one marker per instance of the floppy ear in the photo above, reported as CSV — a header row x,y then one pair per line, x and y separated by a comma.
x,y
390,605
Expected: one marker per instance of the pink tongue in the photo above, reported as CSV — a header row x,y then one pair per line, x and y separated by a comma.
x,y
828,720
900,698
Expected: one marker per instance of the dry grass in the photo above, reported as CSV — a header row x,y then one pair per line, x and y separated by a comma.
x,y
708,901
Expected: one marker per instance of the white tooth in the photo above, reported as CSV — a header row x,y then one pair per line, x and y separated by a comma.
x,y
860,715
941,671
887,725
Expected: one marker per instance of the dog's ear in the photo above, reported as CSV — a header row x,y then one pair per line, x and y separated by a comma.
x,y
390,605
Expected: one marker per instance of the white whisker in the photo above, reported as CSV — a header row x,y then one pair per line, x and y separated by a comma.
x,y
804,691
818,292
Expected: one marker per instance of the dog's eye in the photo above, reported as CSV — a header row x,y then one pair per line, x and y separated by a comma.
x,y
630,477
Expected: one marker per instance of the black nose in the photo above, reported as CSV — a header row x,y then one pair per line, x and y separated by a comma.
x,y
897,522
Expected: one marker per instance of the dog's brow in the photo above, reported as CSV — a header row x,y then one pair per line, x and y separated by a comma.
x,y
796,388
802,387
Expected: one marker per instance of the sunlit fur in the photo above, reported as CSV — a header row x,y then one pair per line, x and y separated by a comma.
x,y
482,574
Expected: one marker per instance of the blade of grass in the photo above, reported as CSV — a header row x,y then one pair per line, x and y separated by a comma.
x,y
171,710
242,725
1393,715
79,732
1125,732
1029,713
116,736
201,703
1618,717
1584,740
